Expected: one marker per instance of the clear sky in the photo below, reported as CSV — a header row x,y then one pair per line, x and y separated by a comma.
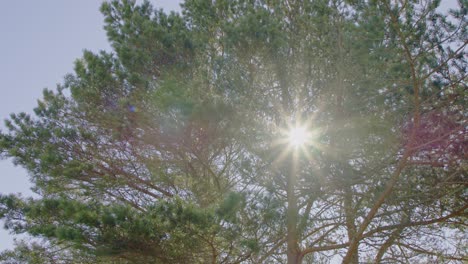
x,y
39,44
40,41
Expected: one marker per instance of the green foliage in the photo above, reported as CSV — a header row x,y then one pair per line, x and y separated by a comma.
x,y
171,148
230,207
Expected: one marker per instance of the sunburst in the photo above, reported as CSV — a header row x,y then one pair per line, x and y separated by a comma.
x,y
298,136
297,139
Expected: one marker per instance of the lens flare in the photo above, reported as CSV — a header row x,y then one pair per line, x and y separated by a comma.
x,y
298,136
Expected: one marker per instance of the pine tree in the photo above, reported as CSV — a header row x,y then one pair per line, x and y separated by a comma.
x,y
175,147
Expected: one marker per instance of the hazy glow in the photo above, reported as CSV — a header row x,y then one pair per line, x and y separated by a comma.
x,y
298,136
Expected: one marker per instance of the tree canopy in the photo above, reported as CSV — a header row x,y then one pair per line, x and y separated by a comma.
x,y
176,147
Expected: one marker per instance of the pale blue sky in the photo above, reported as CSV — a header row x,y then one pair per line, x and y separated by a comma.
x,y
40,41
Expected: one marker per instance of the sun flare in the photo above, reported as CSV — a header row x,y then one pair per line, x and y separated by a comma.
x,y
298,140
298,136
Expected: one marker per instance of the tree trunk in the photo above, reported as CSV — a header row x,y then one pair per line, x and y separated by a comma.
x,y
293,250
350,216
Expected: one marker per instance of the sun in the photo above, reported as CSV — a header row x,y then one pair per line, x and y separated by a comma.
x,y
298,140
298,136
